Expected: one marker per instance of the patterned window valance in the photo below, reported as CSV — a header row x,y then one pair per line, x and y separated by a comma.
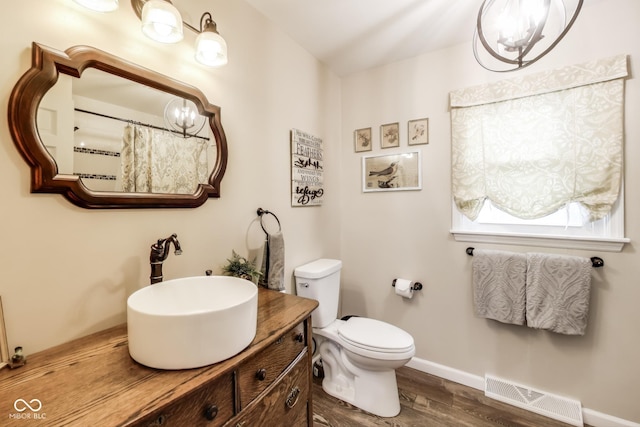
x,y
544,82
533,144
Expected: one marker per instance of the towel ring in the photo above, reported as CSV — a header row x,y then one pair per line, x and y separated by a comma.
x,y
261,212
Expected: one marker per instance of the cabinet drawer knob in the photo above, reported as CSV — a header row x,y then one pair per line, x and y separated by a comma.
x,y
292,399
261,374
300,337
210,412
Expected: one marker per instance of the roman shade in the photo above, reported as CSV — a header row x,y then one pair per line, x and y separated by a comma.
x,y
533,144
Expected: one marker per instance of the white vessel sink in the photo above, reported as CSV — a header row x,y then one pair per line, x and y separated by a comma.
x,y
191,322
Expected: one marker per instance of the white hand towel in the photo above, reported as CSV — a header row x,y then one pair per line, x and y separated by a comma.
x,y
499,285
558,290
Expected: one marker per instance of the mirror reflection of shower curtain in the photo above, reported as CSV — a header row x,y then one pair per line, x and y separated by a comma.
x,y
155,161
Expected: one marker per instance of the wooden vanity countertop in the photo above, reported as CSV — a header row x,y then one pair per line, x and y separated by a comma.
x,y
94,381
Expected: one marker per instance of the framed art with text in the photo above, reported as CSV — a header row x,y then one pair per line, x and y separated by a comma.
x,y
307,169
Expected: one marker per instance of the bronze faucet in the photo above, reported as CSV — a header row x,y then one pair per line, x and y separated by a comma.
x,y
160,252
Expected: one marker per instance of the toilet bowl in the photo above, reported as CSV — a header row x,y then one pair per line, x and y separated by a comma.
x,y
359,355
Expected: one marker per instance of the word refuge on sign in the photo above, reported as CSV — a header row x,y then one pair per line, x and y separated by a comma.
x,y
307,169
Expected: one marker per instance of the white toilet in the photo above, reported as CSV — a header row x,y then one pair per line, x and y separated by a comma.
x,y
359,355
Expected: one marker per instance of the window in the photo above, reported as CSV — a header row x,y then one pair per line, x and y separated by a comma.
x,y
538,160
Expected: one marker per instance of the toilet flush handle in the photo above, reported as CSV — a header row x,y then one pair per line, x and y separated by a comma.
x,y
304,285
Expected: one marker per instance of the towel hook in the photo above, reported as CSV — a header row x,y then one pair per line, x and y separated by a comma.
x,y
261,212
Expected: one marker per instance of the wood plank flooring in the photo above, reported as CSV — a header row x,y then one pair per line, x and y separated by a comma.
x,y
428,401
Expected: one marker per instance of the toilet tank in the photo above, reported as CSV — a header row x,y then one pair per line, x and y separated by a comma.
x,y
320,280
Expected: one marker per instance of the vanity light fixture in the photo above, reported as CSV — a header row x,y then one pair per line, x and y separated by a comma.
x,y
211,49
162,22
99,5
516,33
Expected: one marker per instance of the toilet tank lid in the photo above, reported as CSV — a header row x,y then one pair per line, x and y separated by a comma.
x,y
318,268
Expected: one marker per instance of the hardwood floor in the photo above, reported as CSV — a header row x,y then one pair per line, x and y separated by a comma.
x,y
428,401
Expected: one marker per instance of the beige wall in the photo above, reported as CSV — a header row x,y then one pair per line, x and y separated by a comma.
x,y
67,271
406,234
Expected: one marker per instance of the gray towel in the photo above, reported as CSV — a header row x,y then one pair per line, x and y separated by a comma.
x,y
273,262
499,285
558,289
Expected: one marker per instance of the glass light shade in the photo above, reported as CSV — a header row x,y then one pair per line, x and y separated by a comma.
x,y
519,22
99,5
161,21
182,116
211,49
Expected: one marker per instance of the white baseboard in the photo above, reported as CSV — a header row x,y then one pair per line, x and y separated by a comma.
x,y
447,373
591,417
598,419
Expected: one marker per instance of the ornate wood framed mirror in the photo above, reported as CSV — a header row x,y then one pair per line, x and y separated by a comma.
x,y
54,164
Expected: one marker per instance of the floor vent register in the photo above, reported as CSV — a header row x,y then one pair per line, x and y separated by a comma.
x,y
540,402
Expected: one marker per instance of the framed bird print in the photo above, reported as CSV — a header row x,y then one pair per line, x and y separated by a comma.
x,y
418,131
390,135
362,139
392,172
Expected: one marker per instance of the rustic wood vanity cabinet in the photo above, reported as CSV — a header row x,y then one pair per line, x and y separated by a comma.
x,y
94,381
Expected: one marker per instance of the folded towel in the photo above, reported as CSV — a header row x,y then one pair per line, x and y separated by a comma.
x,y
499,285
558,289
273,262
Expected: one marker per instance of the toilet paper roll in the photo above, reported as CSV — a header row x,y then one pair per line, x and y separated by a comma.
x,y
404,288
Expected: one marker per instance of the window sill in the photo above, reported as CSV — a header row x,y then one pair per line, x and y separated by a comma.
x,y
568,242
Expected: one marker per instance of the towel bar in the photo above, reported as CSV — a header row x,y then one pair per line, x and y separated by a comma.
x,y
595,261
261,212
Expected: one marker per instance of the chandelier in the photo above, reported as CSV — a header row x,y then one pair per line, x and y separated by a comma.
x,y
513,34
182,116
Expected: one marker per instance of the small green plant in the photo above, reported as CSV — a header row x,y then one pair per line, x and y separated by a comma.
x,y
239,266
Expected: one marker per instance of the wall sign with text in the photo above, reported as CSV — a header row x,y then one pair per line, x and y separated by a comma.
x,y
307,169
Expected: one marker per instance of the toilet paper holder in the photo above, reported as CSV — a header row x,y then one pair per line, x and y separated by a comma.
x,y
416,285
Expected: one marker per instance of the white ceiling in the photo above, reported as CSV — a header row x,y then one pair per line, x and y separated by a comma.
x,y
354,35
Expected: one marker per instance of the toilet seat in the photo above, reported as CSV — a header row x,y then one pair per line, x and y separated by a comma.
x,y
376,339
